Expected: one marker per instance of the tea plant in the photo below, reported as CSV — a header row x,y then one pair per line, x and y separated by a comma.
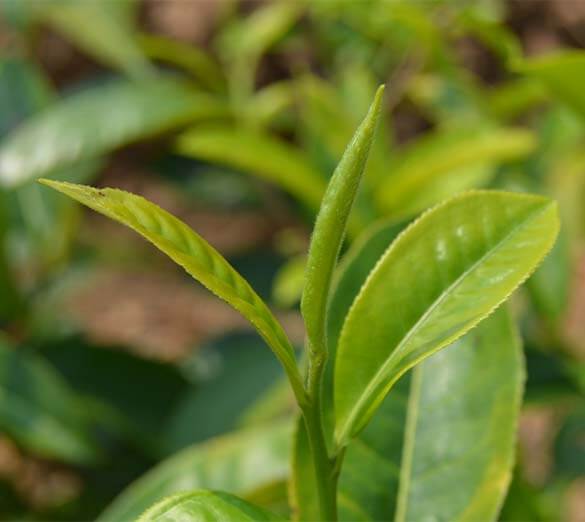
x,y
393,302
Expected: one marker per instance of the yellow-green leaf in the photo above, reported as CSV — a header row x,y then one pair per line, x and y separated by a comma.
x,y
442,275
258,154
195,255
330,226
205,506
563,73
448,162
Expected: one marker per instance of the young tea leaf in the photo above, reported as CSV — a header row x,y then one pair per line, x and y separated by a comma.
x,y
405,464
205,505
195,255
330,225
442,275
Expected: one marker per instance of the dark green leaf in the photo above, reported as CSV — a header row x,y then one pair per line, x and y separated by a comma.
x,y
40,411
243,462
236,362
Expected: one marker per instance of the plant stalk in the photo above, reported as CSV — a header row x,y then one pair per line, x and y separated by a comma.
x,y
324,466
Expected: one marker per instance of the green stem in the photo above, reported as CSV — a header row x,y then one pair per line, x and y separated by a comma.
x,y
324,466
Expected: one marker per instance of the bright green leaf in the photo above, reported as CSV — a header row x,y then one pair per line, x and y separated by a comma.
x,y
441,276
205,506
289,281
447,162
96,121
242,462
302,483
329,229
405,464
195,255
258,154
353,270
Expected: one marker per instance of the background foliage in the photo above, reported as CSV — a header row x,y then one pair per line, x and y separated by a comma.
x,y
232,115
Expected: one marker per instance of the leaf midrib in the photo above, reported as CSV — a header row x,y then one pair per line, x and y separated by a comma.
x,y
373,383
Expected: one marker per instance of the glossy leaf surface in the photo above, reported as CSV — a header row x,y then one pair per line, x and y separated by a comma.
x,y
205,506
405,464
302,483
485,369
258,154
243,463
441,276
194,254
329,229
96,121
39,410
448,162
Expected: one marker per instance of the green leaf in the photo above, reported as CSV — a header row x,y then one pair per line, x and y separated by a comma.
x,y
205,506
563,73
102,29
303,483
442,275
40,411
329,229
353,270
195,255
243,462
447,162
97,121
405,466
369,480
258,154
255,34
186,56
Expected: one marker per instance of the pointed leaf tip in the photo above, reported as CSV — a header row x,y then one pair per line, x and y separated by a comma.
x,y
189,250
331,223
